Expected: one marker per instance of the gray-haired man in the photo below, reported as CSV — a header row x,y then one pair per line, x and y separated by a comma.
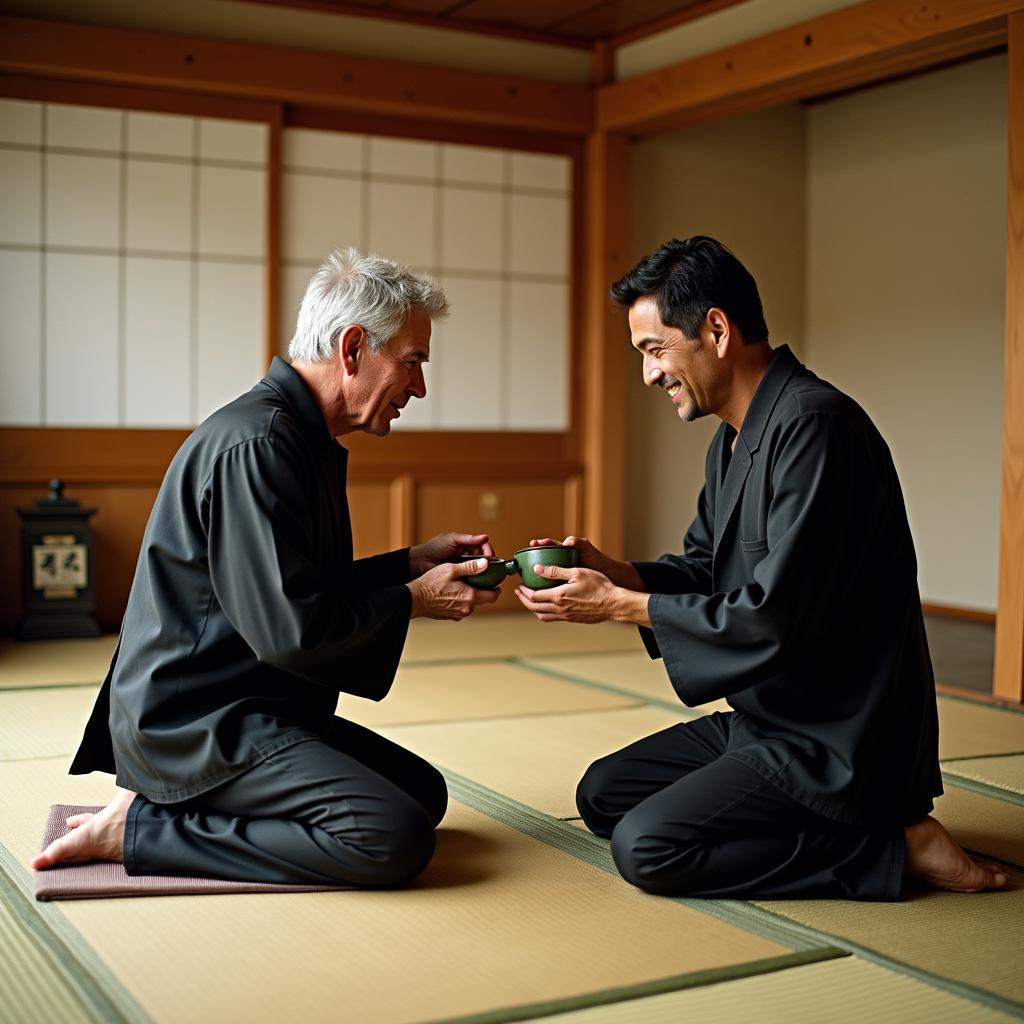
x,y
248,615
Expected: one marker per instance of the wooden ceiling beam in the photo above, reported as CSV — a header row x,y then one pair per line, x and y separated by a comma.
x,y
156,60
865,43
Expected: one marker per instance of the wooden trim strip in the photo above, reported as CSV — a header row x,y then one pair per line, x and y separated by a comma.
x,y
948,611
868,42
272,261
34,455
667,21
977,697
156,60
1008,682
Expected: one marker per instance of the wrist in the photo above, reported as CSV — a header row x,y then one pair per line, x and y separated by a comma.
x,y
416,609
630,607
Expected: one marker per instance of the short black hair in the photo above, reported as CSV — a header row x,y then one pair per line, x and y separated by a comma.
x,y
689,276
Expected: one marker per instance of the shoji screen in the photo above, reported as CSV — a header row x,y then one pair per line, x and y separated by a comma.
x,y
131,265
492,225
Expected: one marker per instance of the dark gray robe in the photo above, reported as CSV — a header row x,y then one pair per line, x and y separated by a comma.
x,y
796,599
248,614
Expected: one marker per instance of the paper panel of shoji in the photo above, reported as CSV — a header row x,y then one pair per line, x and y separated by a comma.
x,y
158,212
230,337
468,356
20,338
232,211
21,220
158,356
160,135
321,214
83,201
471,229
538,326
81,339
84,128
21,122
539,242
402,222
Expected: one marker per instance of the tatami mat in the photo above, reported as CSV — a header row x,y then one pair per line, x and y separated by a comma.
x,y
983,823
537,761
1001,772
476,689
512,635
632,672
43,723
846,991
498,919
54,662
967,729
973,938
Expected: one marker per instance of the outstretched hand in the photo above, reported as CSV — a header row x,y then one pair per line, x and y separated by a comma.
x,y
444,547
622,574
440,592
585,596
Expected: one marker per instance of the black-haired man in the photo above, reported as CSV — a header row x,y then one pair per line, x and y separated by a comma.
x,y
796,599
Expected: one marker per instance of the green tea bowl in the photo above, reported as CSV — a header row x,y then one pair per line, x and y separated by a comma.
x,y
490,578
544,554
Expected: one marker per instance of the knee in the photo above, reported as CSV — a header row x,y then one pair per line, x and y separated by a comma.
x,y
650,860
592,796
401,853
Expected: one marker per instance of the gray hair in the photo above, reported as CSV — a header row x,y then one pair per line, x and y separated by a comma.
x,y
372,291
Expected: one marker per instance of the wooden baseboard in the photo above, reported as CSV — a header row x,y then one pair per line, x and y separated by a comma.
x,y
977,695
948,611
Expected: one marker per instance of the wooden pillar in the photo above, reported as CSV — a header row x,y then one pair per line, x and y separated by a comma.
x,y
272,255
605,340
1008,681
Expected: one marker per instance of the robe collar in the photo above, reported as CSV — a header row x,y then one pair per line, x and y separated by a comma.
x,y
783,365
292,388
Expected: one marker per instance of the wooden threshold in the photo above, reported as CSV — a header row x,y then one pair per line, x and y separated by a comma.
x,y
946,611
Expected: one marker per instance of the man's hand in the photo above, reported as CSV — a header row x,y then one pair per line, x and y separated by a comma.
x,y
444,547
586,596
440,593
622,574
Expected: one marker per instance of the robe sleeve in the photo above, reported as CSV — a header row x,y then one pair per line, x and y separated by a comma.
x,y
268,580
387,570
718,644
689,573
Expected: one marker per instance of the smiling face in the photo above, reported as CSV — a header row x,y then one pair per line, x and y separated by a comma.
x,y
688,369
385,381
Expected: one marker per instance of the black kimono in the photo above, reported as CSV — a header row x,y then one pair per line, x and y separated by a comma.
x,y
796,599
247,617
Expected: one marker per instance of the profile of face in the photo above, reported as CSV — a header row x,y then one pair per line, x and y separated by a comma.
x,y
689,370
380,384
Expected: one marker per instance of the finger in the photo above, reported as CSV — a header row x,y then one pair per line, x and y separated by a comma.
x,y
486,596
535,605
77,819
474,565
555,572
487,549
470,540
543,543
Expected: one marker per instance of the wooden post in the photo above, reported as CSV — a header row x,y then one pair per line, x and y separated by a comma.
x,y
272,257
1008,681
605,341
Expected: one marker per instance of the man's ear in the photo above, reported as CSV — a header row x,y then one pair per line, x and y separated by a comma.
x,y
350,347
721,330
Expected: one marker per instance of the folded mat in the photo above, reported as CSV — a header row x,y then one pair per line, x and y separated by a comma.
x,y
104,878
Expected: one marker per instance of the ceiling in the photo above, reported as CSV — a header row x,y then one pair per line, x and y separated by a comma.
x,y
572,22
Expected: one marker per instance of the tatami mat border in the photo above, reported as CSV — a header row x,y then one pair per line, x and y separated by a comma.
x,y
696,979
677,706
983,788
751,918
101,996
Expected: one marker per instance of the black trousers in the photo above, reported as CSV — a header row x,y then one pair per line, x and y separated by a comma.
x,y
354,809
688,819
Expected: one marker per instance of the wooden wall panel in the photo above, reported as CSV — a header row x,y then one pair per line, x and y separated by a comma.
x,y
369,505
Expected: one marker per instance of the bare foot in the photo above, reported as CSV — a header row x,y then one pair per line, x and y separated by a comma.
x,y
98,836
934,859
